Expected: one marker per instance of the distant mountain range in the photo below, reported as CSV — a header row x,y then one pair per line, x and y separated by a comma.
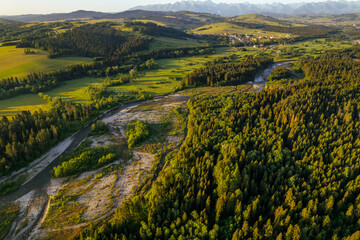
x,y
234,9
208,7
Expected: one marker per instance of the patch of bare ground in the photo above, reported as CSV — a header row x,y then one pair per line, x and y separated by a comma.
x,y
132,175
99,199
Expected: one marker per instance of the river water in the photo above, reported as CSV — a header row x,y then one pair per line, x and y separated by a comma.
x,y
262,77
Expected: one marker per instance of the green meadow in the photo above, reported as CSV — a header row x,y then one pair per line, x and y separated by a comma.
x,y
165,43
27,102
74,90
14,62
231,28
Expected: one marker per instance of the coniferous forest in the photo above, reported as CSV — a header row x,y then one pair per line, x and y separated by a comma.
x,y
280,164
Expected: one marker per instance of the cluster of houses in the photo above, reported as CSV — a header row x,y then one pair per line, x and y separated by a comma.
x,y
233,38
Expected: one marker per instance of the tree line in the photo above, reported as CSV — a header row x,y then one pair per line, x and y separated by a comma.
x,y
229,73
28,135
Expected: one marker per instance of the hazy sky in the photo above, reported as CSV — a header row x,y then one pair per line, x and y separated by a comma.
x,y
12,7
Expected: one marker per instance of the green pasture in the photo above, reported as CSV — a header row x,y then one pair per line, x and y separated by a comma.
x,y
231,28
14,62
306,48
74,90
166,43
27,102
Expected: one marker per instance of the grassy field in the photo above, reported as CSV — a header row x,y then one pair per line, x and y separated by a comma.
x,y
309,48
27,102
260,19
163,80
13,62
74,90
231,28
164,43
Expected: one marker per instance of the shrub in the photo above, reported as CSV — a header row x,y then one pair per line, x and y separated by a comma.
x,y
88,159
98,128
139,132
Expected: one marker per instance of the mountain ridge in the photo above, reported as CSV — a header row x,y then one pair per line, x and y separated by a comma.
x,y
234,9
201,7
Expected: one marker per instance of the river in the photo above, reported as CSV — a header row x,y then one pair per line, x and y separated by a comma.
x,y
262,77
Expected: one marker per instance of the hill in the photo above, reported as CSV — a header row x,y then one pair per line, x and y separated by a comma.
x,y
261,26
324,19
7,21
261,19
182,19
80,14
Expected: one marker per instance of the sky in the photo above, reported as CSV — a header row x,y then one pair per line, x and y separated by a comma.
x,y
15,7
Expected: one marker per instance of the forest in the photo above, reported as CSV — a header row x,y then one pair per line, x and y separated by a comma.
x,y
90,40
279,164
27,135
229,73
153,29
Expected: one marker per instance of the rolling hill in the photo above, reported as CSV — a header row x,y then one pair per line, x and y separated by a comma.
x,y
7,21
324,19
80,14
182,20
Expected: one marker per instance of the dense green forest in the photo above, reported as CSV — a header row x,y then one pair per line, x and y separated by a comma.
x,y
18,30
153,29
229,73
89,159
27,136
279,73
90,40
280,164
